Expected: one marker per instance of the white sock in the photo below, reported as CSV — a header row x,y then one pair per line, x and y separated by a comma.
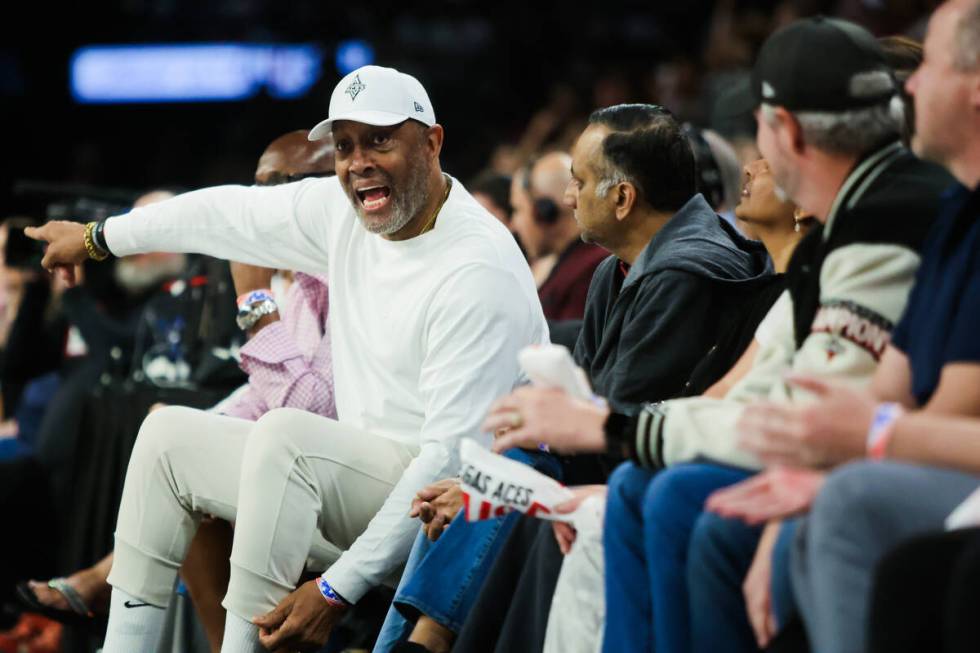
x,y
134,625
240,636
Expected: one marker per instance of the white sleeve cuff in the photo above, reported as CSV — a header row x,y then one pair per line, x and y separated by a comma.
x,y
118,235
346,581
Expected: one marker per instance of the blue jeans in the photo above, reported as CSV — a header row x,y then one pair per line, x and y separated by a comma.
x,y
649,519
782,601
443,578
719,558
397,628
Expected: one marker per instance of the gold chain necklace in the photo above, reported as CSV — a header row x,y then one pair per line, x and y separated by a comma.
x,y
432,221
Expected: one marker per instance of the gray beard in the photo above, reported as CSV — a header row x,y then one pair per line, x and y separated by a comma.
x,y
406,202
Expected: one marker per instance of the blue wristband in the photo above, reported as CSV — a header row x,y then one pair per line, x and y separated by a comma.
x,y
329,594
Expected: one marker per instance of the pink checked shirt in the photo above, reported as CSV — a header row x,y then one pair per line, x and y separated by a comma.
x,y
289,362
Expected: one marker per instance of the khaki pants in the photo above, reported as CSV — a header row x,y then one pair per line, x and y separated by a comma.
x,y
295,484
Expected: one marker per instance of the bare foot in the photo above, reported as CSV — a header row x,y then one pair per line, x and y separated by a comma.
x,y
90,585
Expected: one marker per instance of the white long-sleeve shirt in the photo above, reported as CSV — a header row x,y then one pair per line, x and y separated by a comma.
x,y
425,331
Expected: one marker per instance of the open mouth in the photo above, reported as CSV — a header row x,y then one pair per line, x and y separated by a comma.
x,y
373,198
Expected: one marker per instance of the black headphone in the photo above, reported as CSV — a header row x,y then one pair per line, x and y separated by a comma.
x,y
709,179
546,211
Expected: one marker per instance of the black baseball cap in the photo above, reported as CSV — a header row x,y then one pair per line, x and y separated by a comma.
x,y
821,64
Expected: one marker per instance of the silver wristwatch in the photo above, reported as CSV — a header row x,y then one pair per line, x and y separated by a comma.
x,y
252,313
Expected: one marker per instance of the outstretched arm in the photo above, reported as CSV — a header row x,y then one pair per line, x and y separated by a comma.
x,y
280,227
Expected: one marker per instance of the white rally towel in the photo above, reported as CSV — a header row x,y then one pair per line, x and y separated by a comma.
x,y
552,366
967,514
494,486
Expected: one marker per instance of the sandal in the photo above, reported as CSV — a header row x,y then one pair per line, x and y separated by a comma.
x,y
79,615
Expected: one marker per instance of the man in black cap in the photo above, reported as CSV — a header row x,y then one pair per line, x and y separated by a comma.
x,y
914,476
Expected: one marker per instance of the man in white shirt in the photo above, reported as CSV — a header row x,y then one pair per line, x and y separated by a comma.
x,y
430,302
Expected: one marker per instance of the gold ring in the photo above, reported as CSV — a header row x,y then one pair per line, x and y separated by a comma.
x,y
516,420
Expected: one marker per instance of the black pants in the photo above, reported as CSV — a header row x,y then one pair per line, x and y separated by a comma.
x,y
511,613
926,596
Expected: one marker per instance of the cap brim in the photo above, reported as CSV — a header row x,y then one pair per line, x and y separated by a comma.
x,y
376,118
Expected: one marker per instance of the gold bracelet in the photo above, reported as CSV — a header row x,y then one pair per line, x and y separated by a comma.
x,y
94,252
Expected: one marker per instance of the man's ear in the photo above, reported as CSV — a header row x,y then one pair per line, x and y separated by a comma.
x,y
789,131
626,199
433,137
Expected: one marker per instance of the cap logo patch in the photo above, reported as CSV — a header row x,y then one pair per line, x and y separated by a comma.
x,y
767,90
418,108
355,88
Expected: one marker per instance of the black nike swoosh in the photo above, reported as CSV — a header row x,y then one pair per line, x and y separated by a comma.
x,y
133,604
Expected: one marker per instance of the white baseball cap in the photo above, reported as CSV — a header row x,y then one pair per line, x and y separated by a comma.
x,y
376,96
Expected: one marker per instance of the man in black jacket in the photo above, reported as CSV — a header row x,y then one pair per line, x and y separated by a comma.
x,y
654,307
679,274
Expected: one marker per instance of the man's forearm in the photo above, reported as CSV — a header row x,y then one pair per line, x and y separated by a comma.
x,y
262,323
248,224
385,544
938,441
